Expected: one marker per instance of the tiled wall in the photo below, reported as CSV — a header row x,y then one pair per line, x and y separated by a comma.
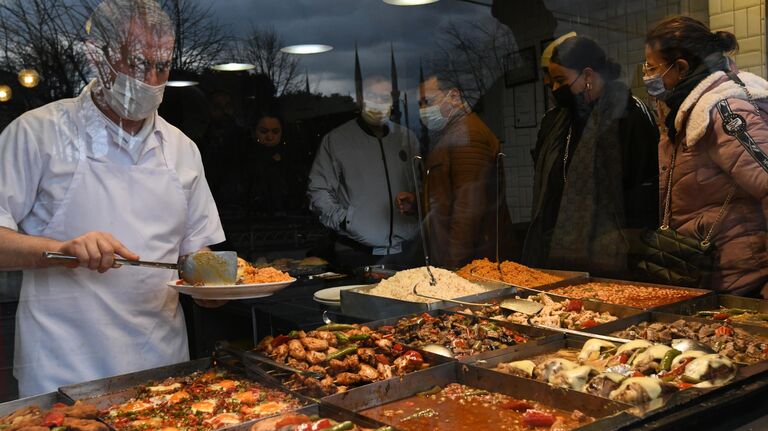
x,y
620,27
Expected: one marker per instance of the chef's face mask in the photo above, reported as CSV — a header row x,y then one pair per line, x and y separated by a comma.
x,y
131,98
655,87
375,114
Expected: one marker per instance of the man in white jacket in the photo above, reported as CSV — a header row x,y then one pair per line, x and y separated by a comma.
x,y
97,176
358,171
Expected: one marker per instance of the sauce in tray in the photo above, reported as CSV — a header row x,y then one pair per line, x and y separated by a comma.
x,y
459,407
632,295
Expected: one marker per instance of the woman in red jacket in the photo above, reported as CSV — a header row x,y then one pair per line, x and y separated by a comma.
x,y
712,152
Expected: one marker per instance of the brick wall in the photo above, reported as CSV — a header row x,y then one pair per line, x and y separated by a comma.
x,y
620,27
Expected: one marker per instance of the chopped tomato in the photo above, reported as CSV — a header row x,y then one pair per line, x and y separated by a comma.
x,y
291,419
589,323
414,357
398,347
53,419
520,339
724,331
517,405
386,328
574,305
684,385
321,425
537,418
623,358
59,405
637,374
280,339
382,359
721,316
460,343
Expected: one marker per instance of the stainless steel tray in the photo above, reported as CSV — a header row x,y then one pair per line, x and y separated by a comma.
x,y
44,401
698,292
619,311
536,335
713,302
113,390
339,414
610,414
357,303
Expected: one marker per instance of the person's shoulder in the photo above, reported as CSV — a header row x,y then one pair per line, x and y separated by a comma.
x,y
172,134
48,114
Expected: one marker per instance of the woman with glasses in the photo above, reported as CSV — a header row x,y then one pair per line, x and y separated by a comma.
x,y
597,178
712,153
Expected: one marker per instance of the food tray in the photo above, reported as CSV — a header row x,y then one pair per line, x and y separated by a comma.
x,y
698,292
106,392
44,401
610,414
537,335
713,302
620,311
357,303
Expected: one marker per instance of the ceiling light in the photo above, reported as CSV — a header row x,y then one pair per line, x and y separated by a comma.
x,y
233,67
29,78
5,93
179,83
409,2
308,48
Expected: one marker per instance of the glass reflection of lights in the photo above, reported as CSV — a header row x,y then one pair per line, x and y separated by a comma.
x,y
176,83
233,67
29,78
5,93
304,49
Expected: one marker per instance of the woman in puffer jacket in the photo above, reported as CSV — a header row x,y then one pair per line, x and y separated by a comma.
x,y
719,184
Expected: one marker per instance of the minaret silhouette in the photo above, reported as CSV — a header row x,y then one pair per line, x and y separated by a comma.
x,y
424,135
395,114
306,82
358,81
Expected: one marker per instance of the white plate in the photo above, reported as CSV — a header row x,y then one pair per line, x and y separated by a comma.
x,y
333,294
333,304
228,291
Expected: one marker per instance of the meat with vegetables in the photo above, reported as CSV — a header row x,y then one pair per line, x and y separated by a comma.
x,y
78,417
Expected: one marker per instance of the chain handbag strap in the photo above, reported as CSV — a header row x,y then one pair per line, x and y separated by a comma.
x,y
735,78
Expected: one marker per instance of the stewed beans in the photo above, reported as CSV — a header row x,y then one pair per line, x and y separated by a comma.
x,y
632,295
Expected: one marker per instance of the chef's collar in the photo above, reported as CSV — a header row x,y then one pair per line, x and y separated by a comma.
x,y
367,128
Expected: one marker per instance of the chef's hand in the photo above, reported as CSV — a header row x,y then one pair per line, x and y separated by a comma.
x,y
95,250
405,202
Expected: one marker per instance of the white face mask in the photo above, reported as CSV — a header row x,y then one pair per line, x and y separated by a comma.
x,y
433,118
131,98
375,114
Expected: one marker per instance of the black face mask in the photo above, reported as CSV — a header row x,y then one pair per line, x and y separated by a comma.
x,y
563,97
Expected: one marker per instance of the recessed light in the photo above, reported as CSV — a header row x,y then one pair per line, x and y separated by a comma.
x,y
409,2
177,83
307,48
233,67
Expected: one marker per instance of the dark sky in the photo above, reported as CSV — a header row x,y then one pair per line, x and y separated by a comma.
x,y
340,23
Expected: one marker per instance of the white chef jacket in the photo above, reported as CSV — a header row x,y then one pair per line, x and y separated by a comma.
x,y
39,155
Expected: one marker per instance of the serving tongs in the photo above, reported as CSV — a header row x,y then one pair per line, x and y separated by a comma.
x,y
202,267
417,162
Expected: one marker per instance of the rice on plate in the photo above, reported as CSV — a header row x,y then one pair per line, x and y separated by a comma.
x,y
449,285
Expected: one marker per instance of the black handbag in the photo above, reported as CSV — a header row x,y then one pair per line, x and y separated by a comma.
x,y
666,256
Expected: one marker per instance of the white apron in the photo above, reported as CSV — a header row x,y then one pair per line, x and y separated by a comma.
x,y
75,325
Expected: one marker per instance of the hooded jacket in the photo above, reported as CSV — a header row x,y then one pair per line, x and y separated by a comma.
x,y
709,162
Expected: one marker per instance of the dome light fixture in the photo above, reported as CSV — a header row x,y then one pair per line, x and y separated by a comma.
x,y
306,49
29,78
409,2
233,67
5,93
180,83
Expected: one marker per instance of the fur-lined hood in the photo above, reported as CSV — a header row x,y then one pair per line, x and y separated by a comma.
x,y
696,108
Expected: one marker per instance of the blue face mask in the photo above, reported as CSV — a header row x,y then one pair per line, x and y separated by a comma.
x,y
433,118
654,85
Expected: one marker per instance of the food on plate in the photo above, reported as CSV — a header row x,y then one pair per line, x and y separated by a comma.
x,y
462,335
736,315
633,295
569,314
733,343
449,285
511,272
203,400
344,355
249,274
60,417
300,422
459,406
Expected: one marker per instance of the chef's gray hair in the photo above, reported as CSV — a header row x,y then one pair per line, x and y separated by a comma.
x,y
107,26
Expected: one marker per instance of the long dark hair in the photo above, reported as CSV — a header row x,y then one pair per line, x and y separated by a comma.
x,y
580,52
683,37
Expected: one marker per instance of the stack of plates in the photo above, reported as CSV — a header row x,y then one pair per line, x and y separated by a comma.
x,y
332,296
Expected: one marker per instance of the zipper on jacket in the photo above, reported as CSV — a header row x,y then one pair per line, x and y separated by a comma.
x,y
389,193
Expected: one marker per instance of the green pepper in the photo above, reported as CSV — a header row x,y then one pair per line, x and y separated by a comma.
x,y
59,429
343,352
359,337
666,361
348,425
434,390
341,338
337,327
293,334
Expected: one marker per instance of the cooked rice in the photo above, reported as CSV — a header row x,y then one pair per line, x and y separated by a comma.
x,y
449,285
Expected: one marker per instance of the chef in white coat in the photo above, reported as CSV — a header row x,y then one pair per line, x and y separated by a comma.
x,y
97,176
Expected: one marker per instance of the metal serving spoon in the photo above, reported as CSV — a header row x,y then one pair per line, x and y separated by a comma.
x,y
203,267
525,306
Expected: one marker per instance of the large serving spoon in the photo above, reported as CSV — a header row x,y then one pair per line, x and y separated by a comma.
x,y
202,267
525,306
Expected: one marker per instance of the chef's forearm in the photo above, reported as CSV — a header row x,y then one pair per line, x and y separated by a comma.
x,y
20,251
